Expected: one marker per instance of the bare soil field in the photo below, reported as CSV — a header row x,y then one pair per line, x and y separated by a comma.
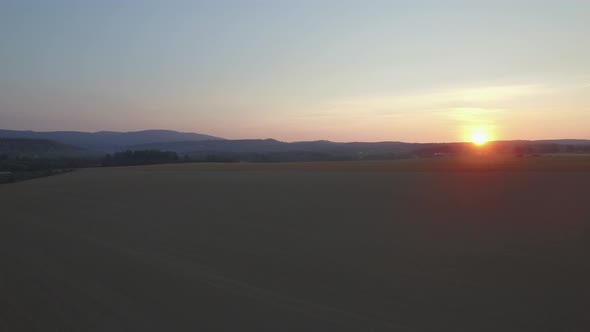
x,y
476,244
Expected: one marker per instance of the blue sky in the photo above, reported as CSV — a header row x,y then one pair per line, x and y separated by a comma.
x,y
299,70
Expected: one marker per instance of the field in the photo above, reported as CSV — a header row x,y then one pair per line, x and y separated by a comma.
x,y
476,244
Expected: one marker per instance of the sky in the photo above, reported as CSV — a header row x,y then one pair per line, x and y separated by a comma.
x,y
415,71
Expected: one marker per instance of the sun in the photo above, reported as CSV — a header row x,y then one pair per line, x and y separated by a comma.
x,y
479,138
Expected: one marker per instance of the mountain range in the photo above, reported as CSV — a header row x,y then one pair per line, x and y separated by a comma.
x,y
39,148
203,147
107,141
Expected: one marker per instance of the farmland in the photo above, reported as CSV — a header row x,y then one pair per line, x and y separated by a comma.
x,y
449,244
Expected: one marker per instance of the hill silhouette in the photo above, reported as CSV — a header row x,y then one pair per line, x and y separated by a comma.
x,y
107,141
38,148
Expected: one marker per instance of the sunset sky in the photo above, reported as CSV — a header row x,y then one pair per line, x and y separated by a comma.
x,y
416,71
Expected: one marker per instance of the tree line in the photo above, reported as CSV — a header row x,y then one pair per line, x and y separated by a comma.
x,y
18,168
142,157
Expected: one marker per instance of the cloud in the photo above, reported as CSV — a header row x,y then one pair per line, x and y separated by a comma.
x,y
474,115
431,102
425,116
494,93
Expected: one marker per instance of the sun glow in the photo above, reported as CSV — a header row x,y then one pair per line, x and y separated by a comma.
x,y
479,138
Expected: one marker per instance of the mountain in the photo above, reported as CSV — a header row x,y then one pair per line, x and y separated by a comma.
x,y
236,146
23,147
204,147
108,140
566,141
273,150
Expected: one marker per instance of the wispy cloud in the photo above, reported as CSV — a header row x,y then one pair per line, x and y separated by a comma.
x,y
455,112
437,101
474,115
494,93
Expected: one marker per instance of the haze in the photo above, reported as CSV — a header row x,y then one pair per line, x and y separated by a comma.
x,y
418,71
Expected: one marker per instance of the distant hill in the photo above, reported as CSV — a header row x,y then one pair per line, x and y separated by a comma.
x,y
282,151
108,140
273,150
565,141
271,145
38,148
208,148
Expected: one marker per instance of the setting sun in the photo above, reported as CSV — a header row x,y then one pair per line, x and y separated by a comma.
x,y
479,138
